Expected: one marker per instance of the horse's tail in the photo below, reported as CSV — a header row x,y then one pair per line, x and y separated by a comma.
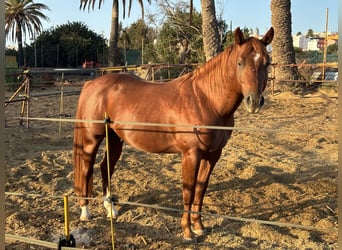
x,y
77,157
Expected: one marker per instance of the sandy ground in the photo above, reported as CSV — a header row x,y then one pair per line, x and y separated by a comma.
x,y
287,176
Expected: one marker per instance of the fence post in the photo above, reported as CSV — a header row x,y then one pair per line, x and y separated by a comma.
x,y
2,127
69,240
61,106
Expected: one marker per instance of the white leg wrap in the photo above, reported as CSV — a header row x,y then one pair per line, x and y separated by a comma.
x,y
85,213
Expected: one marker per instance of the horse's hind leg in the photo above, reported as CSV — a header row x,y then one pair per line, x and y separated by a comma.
x,y
114,152
84,181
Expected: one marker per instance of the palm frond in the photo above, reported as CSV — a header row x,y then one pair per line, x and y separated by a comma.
x,y
141,3
90,4
24,15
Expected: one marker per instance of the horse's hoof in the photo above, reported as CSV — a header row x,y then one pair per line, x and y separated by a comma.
x,y
84,218
200,232
109,206
190,239
114,214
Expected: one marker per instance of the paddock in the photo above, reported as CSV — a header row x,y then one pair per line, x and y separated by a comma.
x,y
282,170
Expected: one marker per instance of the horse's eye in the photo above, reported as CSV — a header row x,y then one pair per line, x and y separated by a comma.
x,y
240,63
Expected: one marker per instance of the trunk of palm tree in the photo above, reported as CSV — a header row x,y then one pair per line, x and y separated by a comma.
x,y
211,38
20,44
282,45
114,35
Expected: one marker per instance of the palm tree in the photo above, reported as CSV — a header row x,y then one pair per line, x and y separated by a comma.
x,y
282,45
211,38
114,31
22,17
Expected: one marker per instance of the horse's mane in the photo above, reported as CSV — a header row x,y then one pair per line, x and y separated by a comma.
x,y
212,66
217,68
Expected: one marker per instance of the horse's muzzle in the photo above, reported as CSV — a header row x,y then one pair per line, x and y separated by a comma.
x,y
254,102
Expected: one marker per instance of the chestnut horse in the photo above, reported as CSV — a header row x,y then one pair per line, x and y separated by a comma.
x,y
207,96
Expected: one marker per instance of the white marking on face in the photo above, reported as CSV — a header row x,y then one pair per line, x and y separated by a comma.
x,y
256,57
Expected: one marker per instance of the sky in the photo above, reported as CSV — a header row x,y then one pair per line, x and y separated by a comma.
x,y
306,14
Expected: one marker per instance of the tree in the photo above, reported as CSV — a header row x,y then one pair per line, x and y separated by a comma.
x,y
67,45
332,48
211,38
211,31
22,17
178,41
113,56
310,33
282,45
136,37
132,36
11,52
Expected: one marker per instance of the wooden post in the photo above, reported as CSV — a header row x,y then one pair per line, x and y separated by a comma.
x,y
152,73
61,106
339,191
2,127
26,99
142,51
325,46
14,94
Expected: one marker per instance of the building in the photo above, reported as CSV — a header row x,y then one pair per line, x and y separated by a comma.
x,y
315,43
300,41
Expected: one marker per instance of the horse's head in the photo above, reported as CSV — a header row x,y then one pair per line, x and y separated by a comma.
x,y
251,67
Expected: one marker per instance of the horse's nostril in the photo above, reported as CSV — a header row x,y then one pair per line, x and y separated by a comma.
x,y
249,100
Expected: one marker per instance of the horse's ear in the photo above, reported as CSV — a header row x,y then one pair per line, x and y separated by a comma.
x,y
238,36
268,37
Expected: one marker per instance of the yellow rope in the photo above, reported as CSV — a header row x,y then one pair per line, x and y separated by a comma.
x,y
107,120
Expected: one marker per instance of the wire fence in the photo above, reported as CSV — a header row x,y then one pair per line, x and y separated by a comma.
x,y
309,76
157,207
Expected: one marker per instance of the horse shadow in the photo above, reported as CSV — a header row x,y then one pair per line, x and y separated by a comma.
x,y
168,194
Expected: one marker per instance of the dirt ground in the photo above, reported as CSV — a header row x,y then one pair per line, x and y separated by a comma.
x,y
287,176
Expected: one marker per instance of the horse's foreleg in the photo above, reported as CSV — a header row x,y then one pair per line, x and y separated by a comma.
x,y
206,166
190,163
114,152
200,189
